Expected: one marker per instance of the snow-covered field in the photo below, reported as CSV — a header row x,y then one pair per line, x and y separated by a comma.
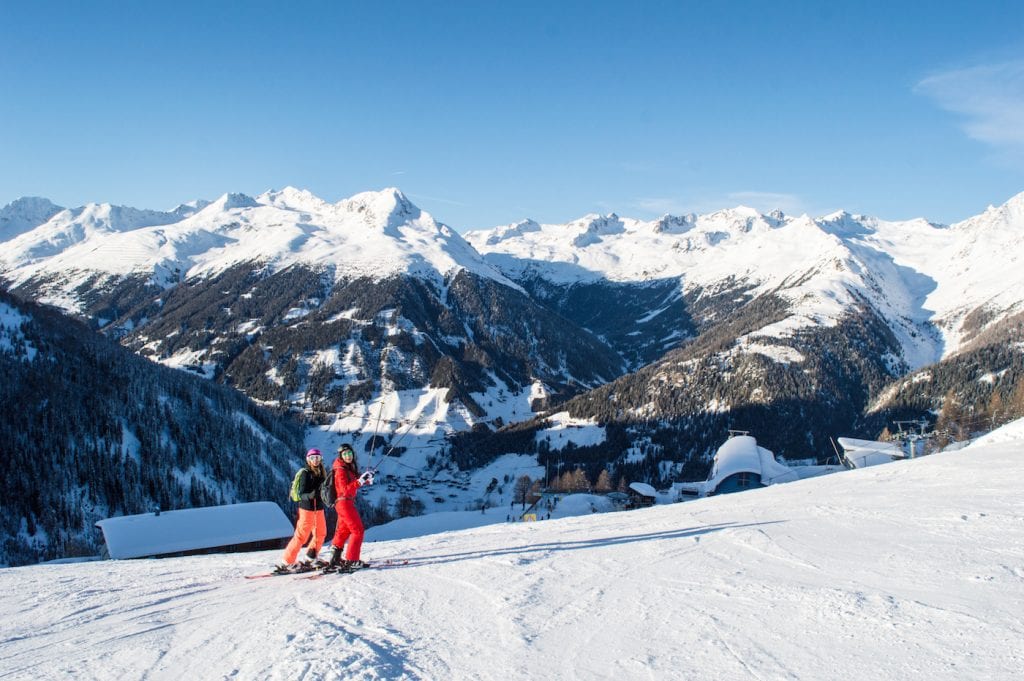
x,y
910,570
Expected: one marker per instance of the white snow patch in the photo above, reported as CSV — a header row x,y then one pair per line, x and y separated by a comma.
x,y
567,430
191,360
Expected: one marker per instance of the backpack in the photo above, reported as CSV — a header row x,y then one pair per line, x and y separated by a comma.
x,y
294,493
328,494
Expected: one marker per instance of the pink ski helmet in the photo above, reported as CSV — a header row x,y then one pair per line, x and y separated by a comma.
x,y
314,453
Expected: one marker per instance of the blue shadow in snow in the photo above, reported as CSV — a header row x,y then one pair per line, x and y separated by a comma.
x,y
572,545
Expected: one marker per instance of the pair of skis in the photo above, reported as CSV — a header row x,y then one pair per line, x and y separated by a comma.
x,y
311,572
349,570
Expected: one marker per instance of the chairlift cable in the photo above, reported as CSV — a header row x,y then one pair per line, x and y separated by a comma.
x,y
394,445
380,411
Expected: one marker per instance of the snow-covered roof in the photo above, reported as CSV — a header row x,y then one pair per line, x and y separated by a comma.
x,y
643,489
862,453
741,454
150,534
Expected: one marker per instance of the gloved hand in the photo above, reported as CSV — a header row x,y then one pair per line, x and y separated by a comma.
x,y
366,478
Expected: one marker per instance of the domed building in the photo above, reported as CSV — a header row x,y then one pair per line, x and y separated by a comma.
x,y
741,464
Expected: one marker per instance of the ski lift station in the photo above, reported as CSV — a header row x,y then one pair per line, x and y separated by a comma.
x,y
252,526
741,464
903,445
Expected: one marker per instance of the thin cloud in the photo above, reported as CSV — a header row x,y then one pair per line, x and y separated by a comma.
x,y
991,97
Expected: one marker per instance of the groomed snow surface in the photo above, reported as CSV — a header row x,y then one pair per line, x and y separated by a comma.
x,y
909,570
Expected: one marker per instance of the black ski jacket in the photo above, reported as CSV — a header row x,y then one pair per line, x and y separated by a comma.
x,y
306,488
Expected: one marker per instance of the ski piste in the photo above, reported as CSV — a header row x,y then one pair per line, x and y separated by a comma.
x,y
322,572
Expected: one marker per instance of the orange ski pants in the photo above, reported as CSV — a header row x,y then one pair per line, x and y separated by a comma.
x,y
311,524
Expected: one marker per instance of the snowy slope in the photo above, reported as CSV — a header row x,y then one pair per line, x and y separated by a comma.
x,y
909,570
372,234
915,273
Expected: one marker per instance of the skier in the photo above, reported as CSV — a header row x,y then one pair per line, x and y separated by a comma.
x,y
347,482
311,522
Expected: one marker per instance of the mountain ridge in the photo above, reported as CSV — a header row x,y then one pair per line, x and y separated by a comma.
x,y
903,267
277,228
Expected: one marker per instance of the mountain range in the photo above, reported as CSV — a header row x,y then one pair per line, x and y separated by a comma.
x,y
666,333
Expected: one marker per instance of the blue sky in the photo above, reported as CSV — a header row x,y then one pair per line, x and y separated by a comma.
x,y
485,113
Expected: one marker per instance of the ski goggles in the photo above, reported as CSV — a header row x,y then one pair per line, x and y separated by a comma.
x,y
315,458
346,453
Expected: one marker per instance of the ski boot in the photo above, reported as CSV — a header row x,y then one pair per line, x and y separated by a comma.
x,y
315,561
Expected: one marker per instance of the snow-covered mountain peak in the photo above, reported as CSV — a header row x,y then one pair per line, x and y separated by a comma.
x,y
106,217
737,213
24,214
839,217
381,209
1009,215
291,198
29,206
846,225
230,201
516,229
592,228
745,211
597,223
734,221
674,224
190,208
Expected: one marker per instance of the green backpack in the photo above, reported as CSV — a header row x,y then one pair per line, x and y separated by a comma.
x,y
295,485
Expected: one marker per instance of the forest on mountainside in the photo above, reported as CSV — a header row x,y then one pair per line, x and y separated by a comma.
x,y
89,430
